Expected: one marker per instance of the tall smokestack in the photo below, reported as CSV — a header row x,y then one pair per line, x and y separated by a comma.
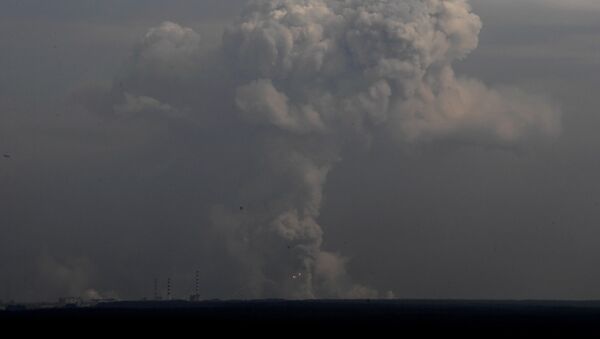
x,y
156,295
168,288
197,290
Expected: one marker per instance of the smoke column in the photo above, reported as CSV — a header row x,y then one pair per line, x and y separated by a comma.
x,y
300,80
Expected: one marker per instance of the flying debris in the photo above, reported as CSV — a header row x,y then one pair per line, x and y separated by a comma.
x,y
6,156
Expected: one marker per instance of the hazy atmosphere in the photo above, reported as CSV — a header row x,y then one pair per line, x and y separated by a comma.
x,y
300,149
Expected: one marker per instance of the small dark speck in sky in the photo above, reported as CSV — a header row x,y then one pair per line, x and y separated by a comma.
x,y
6,156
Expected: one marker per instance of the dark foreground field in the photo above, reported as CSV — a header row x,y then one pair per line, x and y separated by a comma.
x,y
294,317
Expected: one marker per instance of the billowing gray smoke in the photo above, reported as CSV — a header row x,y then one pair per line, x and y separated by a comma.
x,y
298,80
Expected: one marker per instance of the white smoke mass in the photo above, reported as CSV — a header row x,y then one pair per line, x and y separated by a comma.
x,y
297,79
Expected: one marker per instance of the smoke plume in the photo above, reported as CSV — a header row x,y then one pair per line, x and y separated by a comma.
x,y
298,80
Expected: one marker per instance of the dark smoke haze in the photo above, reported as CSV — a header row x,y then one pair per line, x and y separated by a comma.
x,y
299,148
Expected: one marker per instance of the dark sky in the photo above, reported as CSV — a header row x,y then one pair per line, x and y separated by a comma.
x,y
98,199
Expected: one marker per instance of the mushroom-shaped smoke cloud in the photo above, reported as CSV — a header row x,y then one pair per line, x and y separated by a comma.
x,y
298,78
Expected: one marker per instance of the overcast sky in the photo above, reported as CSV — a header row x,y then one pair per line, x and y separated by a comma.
x,y
132,150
